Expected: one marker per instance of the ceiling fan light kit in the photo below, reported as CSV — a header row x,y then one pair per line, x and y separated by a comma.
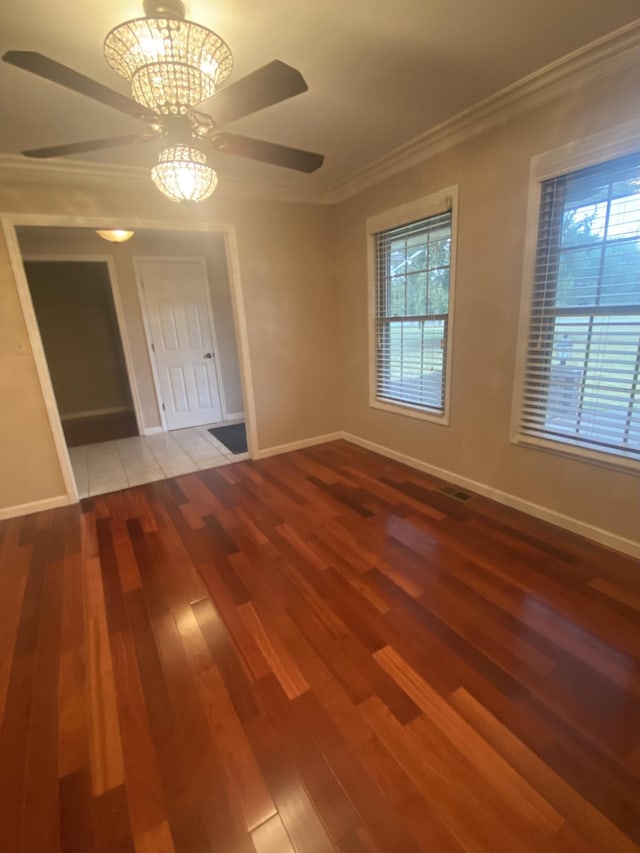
x,y
173,65
183,174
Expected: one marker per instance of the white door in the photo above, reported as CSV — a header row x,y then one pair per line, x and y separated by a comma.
x,y
178,320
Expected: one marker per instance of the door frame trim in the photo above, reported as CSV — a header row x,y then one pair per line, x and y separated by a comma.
x,y
138,260
108,260
9,223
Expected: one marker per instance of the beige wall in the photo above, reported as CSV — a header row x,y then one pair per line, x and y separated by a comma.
x,y
492,172
79,332
73,241
289,298
303,272
29,469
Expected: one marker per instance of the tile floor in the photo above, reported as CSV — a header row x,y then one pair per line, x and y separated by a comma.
x,y
113,465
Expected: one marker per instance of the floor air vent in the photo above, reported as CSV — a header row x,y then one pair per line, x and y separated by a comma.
x,y
456,493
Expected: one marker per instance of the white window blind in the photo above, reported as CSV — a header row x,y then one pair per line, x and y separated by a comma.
x,y
581,383
412,264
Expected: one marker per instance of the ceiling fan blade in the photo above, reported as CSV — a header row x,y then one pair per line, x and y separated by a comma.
x,y
89,145
42,66
271,84
268,152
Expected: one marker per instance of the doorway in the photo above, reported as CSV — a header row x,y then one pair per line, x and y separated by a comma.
x,y
76,316
151,453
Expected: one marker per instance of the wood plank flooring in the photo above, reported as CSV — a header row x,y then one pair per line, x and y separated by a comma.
x,y
315,652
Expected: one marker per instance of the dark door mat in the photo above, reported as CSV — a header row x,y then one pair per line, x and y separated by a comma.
x,y
233,436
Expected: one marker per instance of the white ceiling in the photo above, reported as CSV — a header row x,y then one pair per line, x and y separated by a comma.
x,y
379,74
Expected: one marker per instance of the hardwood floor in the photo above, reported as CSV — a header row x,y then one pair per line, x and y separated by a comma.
x,y
315,652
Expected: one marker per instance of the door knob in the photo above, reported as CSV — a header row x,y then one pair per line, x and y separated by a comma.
x,y
208,355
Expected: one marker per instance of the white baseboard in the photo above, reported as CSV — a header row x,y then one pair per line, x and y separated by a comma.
x,y
93,413
298,445
234,416
596,534
152,430
34,506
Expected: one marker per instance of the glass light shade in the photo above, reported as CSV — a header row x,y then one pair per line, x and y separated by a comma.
x,y
172,64
182,174
118,235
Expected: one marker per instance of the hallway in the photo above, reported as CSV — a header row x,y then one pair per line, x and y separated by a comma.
x,y
113,465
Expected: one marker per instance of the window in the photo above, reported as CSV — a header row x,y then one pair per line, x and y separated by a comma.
x,y
411,268
581,380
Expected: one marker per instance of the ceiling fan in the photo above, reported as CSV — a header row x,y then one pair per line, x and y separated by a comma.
x,y
173,65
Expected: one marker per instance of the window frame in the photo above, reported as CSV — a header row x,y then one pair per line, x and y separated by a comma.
x,y
422,208
593,150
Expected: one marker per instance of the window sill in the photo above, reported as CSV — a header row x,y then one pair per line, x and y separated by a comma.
x,y
613,461
410,411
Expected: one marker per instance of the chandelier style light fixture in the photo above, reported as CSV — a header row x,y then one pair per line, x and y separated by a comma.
x,y
117,235
172,64
182,174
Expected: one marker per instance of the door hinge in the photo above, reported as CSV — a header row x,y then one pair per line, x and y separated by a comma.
x,y
164,408
153,347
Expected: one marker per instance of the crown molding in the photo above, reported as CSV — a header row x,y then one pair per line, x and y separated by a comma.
x,y
607,55
241,188
15,166
610,54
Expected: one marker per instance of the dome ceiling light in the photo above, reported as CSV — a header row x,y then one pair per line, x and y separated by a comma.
x,y
117,235
173,65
